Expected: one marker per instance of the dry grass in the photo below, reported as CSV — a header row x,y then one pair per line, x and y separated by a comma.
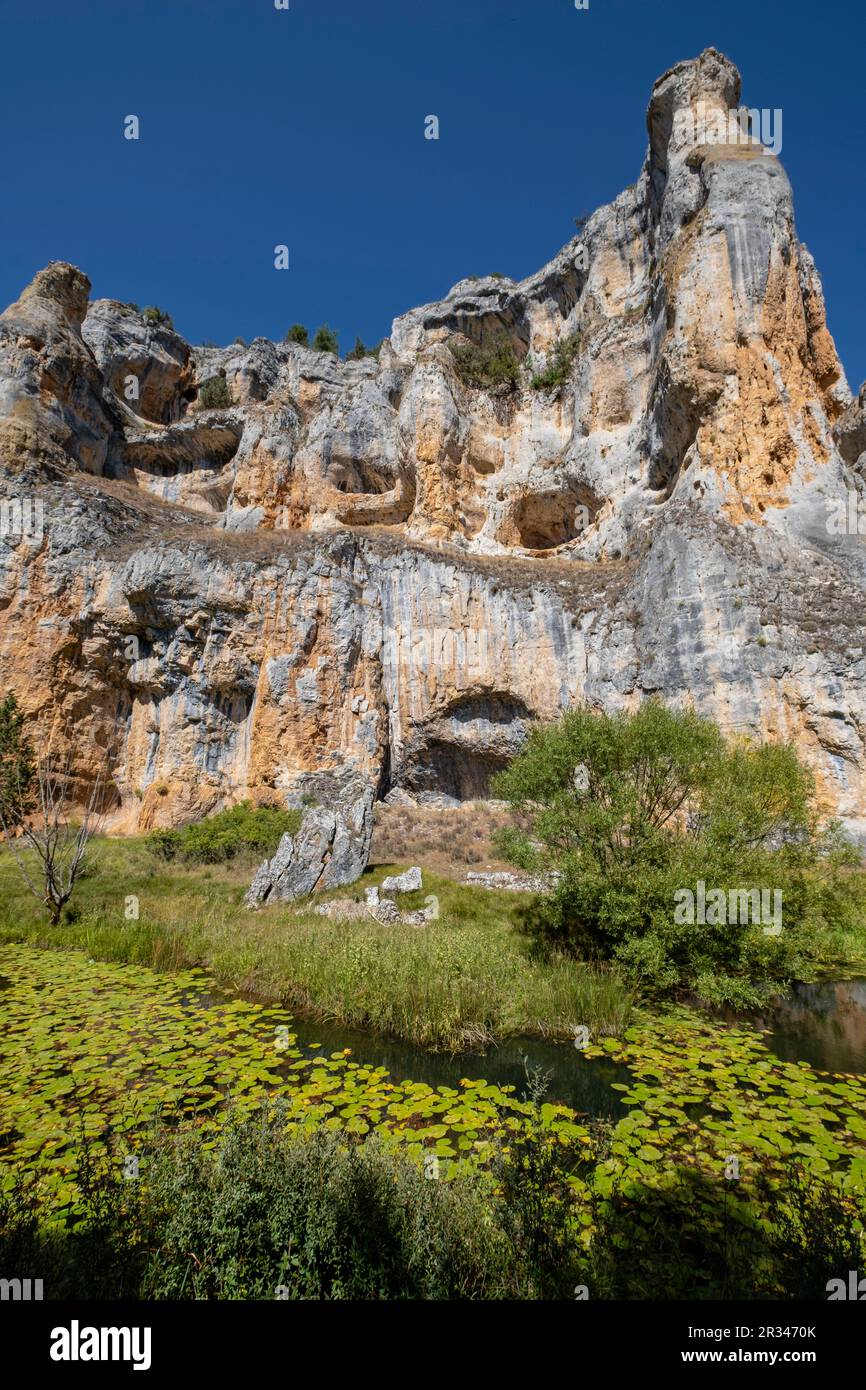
x,y
446,839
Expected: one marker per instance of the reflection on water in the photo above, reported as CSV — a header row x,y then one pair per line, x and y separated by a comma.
x,y
572,1079
584,1085
822,1024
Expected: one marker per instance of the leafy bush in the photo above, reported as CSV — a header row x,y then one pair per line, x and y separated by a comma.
x,y
17,767
689,1236
226,834
152,314
492,364
558,371
315,1214
298,334
326,340
214,394
635,810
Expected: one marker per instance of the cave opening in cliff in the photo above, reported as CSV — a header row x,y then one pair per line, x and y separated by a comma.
x,y
359,476
546,520
459,752
459,773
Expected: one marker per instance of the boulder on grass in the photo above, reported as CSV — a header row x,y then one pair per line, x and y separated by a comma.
x,y
408,882
331,848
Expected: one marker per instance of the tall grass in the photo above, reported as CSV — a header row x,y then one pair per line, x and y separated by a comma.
x,y
459,982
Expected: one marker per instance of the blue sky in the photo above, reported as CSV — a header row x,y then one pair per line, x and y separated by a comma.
x,y
306,127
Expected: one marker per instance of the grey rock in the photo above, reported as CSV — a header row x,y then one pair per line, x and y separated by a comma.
x,y
504,881
407,882
331,848
125,345
388,912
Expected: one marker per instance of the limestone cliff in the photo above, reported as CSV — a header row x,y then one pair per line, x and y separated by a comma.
x,y
374,566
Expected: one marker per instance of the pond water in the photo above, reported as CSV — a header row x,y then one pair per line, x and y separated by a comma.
x,y
823,1024
572,1080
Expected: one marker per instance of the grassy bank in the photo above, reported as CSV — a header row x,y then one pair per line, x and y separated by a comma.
x,y
462,981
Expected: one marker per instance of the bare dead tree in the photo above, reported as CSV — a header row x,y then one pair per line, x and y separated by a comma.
x,y
58,838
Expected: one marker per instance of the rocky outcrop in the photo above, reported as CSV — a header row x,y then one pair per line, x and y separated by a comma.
x,y
389,568
145,364
330,849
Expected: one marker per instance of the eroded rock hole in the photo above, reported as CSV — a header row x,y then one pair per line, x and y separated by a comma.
x,y
545,520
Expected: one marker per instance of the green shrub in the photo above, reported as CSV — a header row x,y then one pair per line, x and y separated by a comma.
x,y
17,767
226,834
161,317
326,340
690,1236
298,334
490,365
558,371
319,1215
634,811
214,394
269,1211
360,351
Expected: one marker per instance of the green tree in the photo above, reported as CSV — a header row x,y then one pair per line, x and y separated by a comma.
x,y
633,811
17,768
326,340
298,334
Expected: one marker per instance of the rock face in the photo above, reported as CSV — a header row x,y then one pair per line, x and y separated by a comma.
x,y
377,567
